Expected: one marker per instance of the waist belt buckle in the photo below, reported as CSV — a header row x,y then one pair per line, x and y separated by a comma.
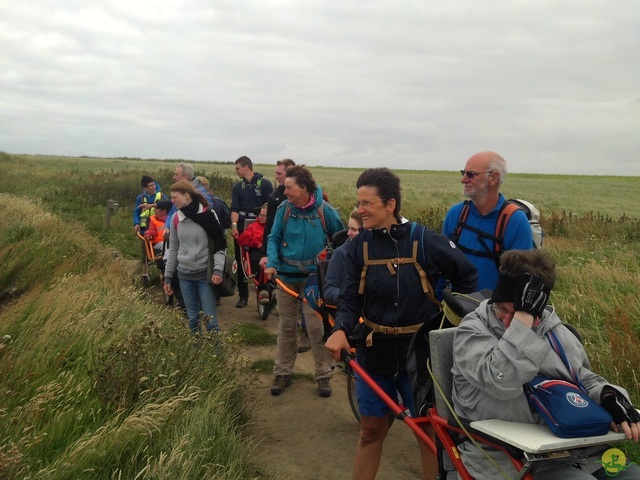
x,y
389,330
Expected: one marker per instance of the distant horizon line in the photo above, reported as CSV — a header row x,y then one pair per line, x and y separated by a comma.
x,y
231,162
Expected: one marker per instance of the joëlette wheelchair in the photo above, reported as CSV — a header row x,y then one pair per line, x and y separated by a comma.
x,y
264,288
526,445
155,256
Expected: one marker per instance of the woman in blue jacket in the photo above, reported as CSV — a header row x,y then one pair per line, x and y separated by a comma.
x,y
394,298
302,227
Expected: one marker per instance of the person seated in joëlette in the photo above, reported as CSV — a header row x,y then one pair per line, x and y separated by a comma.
x,y
503,345
155,230
251,239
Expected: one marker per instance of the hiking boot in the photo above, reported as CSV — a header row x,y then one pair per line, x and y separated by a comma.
x,y
280,383
304,344
263,297
241,303
324,387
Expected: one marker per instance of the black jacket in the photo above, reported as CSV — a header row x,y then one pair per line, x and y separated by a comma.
x,y
247,196
397,300
275,199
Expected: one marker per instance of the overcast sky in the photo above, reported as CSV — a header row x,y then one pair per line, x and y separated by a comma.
x,y
552,85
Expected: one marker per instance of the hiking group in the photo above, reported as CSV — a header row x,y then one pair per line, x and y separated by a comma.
x,y
392,273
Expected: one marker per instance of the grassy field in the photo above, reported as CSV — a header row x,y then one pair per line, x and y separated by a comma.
x,y
96,381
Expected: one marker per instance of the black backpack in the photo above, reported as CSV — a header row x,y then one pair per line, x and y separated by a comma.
x,y
222,211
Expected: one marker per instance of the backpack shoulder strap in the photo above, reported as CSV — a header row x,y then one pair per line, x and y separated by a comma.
x,y
504,215
285,219
462,221
427,288
389,262
321,216
555,343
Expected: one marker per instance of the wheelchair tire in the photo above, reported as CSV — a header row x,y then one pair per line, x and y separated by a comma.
x,y
263,310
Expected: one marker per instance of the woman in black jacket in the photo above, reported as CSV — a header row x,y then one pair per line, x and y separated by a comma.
x,y
400,261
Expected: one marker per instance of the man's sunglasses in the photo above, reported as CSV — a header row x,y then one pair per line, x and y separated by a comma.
x,y
471,174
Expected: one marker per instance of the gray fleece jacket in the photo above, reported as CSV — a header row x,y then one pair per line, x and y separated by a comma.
x,y
491,363
189,251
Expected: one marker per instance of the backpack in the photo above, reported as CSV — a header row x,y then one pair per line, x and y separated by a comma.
x,y
504,215
533,215
222,211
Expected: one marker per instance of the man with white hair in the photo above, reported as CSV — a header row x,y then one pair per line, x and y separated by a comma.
x,y
481,179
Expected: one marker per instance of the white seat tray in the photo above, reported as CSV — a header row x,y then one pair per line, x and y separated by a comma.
x,y
534,438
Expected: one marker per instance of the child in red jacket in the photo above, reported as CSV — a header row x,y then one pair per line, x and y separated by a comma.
x,y
252,235
251,240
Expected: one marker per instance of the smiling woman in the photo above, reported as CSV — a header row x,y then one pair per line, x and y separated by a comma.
x,y
303,226
389,283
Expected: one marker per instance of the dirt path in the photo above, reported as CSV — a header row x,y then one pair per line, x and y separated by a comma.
x,y
303,436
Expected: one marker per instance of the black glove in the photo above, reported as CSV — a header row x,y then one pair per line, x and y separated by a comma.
x,y
531,295
618,406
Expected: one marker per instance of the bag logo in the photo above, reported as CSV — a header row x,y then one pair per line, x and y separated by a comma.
x,y
234,267
576,400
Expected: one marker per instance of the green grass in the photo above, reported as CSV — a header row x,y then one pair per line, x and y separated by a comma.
x,y
263,365
98,381
68,389
253,335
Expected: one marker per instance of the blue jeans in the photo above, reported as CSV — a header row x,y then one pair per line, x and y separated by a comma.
x,y
199,297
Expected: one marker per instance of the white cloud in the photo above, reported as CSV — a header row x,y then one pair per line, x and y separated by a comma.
x,y
552,84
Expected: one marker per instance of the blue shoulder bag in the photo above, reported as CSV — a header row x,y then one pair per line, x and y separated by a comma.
x,y
565,406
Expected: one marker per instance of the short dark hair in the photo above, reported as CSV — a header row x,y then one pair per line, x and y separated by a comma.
x,y
146,180
164,205
287,162
386,182
514,263
245,162
302,177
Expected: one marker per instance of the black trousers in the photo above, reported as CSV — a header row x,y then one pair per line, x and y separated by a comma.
x,y
243,286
